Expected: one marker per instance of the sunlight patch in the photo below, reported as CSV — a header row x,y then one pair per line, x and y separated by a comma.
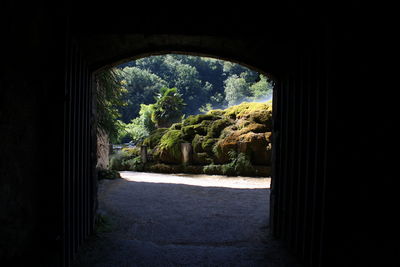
x,y
198,180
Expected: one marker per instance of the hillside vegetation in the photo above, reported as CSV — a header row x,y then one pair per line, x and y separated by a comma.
x,y
233,141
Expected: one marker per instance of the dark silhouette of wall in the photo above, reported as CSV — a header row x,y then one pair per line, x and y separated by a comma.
x,y
333,196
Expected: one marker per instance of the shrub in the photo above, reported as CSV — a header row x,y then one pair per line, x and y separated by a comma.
x,y
135,164
107,174
118,161
201,159
131,151
164,168
243,165
213,169
239,165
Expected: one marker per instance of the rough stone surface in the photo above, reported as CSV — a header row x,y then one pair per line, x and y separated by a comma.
x,y
181,220
103,150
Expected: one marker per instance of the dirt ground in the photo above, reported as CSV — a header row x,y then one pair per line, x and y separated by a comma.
x,y
183,220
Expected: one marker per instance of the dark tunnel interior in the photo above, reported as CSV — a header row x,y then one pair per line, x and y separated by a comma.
x,y
333,197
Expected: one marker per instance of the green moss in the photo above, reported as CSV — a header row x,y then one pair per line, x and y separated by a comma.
x,y
215,128
196,119
261,112
155,137
170,146
197,143
255,128
208,144
190,131
176,126
217,112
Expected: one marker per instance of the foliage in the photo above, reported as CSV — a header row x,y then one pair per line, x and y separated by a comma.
x,y
168,108
135,164
109,98
237,90
141,87
240,165
118,161
202,82
262,89
140,127
107,174
213,169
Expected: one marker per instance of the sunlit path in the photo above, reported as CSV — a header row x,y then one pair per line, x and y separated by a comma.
x,y
198,180
184,220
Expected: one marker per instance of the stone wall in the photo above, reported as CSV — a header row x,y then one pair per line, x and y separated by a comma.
x,y
103,150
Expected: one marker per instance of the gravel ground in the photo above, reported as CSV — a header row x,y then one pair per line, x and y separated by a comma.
x,y
184,220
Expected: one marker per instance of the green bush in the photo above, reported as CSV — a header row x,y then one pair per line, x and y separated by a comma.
x,y
213,169
135,164
118,161
240,165
107,174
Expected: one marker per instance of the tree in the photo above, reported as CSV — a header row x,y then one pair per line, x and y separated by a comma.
x,y
142,86
168,108
110,96
237,90
261,89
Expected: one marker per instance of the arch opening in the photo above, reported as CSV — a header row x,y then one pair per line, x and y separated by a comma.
x,y
258,134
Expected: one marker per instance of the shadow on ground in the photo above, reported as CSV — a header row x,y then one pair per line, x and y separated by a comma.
x,y
162,224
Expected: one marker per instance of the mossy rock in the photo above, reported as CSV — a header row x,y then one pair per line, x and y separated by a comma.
x,y
197,143
262,117
255,145
215,128
242,123
169,149
208,144
223,147
196,119
258,112
176,126
201,159
190,131
254,127
216,112
155,137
